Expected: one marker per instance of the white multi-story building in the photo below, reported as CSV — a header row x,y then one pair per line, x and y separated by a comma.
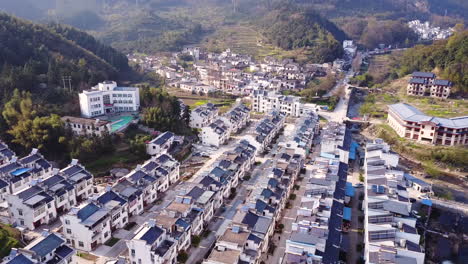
x,y
107,97
238,117
203,115
409,122
152,244
267,101
80,178
390,233
216,133
86,126
87,226
32,207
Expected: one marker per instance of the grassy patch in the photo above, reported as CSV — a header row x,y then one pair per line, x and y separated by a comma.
x,y
395,91
118,159
111,242
87,256
433,158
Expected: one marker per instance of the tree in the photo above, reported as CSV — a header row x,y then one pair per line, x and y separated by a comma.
x,y
366,109
30,130
182,257
138,144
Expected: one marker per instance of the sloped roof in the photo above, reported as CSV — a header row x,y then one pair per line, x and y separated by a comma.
x,y
412,114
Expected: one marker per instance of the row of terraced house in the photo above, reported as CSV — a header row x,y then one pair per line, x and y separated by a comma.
x,y
192,209
249,235
390,228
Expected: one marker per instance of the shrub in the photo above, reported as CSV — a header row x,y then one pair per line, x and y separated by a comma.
x,y
196,241
182,257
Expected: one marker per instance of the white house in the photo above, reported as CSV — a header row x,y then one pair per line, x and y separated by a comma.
x,y
216,133
151,244
32,207
107,97
238,117
80,178
86,126
48,248
87,227
203,115
160,144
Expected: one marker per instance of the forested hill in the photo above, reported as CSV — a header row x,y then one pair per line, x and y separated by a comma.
x,y
290,28
31,54
447,57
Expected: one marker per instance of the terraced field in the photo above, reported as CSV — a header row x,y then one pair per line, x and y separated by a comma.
x,y
243,39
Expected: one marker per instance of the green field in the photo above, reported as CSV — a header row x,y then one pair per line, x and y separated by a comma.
x,y
194,100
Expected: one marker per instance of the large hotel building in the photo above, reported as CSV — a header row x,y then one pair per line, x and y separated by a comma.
x,y
411,123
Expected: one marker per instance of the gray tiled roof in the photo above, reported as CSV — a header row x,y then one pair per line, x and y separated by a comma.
x,y
412,114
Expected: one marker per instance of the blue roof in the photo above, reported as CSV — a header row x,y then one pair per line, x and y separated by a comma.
x,y
181,222
64,251
110,196
161,139
426,202
349,191
423,74
250,219
3,184
347,213
255,239
47,245
20,259
152,234
20,171
87,211
218,172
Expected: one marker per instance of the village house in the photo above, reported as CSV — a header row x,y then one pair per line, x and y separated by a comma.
x,y
216,133
161,144
86,227
152,244
86,126
203,115
47,248
426,84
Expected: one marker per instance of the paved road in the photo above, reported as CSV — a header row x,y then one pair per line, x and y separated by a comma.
x,y
214,156
341,109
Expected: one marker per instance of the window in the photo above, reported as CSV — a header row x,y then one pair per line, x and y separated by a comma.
x,y
68,231
80,244
20,212
67,222
133,252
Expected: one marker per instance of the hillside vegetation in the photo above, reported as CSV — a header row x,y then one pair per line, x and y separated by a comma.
x,y
292,29
32,54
